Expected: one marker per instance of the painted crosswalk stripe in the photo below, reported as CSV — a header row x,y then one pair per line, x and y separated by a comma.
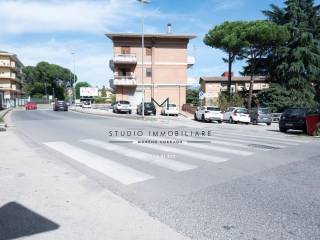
x,y
184,152
145,157
278,139
114,170
231,140
209,147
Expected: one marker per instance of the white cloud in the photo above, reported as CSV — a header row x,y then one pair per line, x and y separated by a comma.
x,y
22,16
228,4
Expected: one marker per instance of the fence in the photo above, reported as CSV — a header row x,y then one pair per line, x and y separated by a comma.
x,y
189,108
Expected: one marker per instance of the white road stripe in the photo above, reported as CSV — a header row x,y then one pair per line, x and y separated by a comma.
x,y
210,148
184,152
109,168
146,157
247,141
282,140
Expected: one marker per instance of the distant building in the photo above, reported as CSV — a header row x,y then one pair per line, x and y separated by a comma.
x,y
213,86
11,79
165,71
109,94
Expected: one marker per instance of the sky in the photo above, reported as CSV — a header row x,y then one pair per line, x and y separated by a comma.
x,y
51,30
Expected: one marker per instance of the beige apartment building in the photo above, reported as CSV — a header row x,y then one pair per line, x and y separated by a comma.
x,y
213,86
11,79
166,64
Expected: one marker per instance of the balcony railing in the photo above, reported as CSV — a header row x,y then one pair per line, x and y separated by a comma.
x,y
124,81
129,58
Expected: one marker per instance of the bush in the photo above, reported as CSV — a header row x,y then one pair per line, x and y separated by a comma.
x,y
99,100
235,100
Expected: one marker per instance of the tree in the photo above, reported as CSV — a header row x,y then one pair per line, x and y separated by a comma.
x,y
78,86
103,92
225,38
193,96
259,37
44,79
296,64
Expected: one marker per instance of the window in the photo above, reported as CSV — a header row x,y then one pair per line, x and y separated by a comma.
x,y
148,51
148,72
125,50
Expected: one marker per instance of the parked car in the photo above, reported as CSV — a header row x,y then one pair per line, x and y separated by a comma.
x,y
227,114
260,115
60,105
149,108
239,115
86,104
294,119
170,109
209,114
30,106
276,117
122,107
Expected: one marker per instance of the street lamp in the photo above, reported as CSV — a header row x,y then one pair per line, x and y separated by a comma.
x,y
142,51
74,75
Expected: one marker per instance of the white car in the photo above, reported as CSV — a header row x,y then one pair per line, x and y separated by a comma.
x,y
208,114
170,110
237,115
86,104
122,107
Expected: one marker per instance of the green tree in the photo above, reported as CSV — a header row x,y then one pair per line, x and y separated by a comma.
x,y
193,96
78,86
259,38
296,64
103,92
44,79
226,38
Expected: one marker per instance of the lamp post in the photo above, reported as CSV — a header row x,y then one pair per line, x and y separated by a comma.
x,y
74,76
143,2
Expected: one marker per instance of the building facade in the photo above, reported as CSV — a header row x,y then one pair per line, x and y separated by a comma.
x,y
166,64
11,79
213,86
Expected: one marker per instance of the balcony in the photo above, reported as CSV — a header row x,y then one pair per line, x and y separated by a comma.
x,y
191,61
129,58
124,81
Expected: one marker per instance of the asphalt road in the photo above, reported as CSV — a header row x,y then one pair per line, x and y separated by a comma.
x,y
244,182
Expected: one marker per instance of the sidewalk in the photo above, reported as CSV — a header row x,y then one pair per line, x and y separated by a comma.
x,y
45,198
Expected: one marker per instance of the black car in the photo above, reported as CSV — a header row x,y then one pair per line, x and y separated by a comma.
x,y
60,106
149,108
293,118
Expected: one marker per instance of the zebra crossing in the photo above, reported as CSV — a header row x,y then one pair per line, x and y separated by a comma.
x,y
221,147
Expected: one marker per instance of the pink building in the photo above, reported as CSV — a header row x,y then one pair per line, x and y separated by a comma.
x,y
166,64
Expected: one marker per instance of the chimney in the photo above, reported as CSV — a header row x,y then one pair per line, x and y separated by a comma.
x,y
226,74
169,28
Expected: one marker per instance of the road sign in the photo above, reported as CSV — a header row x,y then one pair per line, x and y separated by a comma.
x,y
202,95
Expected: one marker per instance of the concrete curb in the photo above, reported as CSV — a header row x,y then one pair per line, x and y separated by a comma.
x,y
3,113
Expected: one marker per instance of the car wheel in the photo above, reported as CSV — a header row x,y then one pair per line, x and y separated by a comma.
x,y
282,129
203,119
130,112
220,121
269,123
230,120
247,123
195,117
254,122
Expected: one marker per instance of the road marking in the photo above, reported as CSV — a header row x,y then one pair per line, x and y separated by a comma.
x,y
114,170
278,139
146,157
210,147
249,142
252,138
184,152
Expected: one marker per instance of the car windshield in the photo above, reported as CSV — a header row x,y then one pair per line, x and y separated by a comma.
x,y
264,110
243,110
213,109
295,111
150,105
124,102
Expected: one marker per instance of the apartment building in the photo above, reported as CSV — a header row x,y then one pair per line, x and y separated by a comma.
x,y
11,79
213,86
166,64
